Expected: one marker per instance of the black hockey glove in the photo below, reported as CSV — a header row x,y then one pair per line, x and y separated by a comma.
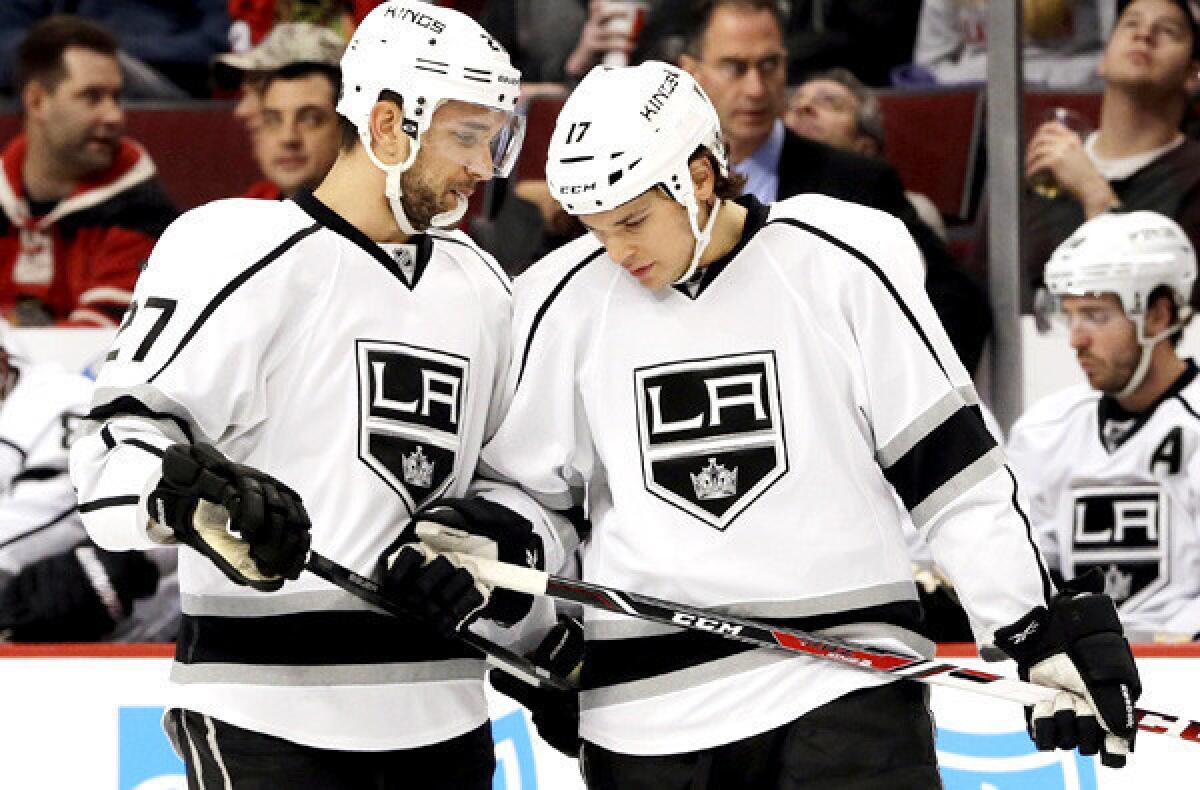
x,y
253,527
1078,645
555,713
422,573
77,596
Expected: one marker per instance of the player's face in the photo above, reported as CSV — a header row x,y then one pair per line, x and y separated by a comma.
x,y
1150,47
743,69
298,138
455,156
81,118
826,111
649,237
1104,339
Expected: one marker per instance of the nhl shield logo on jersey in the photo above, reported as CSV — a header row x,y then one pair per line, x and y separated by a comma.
x,y
1123,531
711,433
410,410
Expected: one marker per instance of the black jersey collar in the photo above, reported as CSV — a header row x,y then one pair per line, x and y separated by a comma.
x,y
756,217
1117,424
406,262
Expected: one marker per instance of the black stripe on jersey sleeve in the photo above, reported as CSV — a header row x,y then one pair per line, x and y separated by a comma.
x,y
1047,582
38,473
960,440
878,272
491,266
9,443
141,445
609,662
107,502
129,406
541,312
312,639
39,528
232,286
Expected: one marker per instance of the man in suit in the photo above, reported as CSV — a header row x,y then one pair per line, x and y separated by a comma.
x,y
735,51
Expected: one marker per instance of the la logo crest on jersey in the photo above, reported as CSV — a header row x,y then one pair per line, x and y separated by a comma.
x,y
410,409
1124,532
711,433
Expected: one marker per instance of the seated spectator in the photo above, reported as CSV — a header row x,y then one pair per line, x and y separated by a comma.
x,y
1063,42
1111,468
55,585
834,107
735,51
1138,159
298,138
81,204
287,43
165,48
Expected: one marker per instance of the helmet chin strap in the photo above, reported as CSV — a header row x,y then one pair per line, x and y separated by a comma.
x,y
394,193
1143,365
703,237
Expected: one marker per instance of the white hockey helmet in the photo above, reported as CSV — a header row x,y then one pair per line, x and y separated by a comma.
x,y
624,131
1129,255
428,55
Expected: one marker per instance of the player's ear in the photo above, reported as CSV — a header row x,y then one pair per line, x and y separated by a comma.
x,y
388,138
1158,314
704,178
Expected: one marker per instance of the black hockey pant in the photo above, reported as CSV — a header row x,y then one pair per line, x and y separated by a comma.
x,y
220,756
873,739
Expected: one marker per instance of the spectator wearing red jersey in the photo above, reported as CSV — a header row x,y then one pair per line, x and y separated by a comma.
x,y
81,206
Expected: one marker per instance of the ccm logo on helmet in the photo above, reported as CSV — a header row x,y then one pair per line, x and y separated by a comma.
x,y
577,189
705,623
660,96
420,20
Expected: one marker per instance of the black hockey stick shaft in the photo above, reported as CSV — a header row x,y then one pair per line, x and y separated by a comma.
x,y
369,591
755,632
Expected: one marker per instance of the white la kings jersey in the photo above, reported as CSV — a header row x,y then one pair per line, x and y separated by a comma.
x,y
739,449
360,375
38,421
1120,492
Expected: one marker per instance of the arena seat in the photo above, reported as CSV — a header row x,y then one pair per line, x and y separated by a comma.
x,y
1039,102
933,140
540,115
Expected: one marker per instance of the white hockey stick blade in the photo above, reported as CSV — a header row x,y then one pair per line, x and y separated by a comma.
x,y
869,658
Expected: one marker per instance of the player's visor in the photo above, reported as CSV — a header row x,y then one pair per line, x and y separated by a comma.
x,y
485,141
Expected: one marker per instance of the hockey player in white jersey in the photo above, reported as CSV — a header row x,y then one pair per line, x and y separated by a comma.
x,y
326,362
737,392
55,586
1112,468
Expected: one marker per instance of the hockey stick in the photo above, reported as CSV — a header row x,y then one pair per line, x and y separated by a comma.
x,y
369,591
936,673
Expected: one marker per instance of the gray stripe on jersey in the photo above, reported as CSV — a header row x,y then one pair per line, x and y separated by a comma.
x,y
876,595
987,464
259,605
330,674
919,428
692,677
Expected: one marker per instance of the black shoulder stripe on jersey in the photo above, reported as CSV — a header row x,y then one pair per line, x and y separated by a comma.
x,y
39,528
14,446
127,405
614,661
107,502
232,286
1047,583
107,436
36,473
541,313
491,265
311,639
959,441
874,267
